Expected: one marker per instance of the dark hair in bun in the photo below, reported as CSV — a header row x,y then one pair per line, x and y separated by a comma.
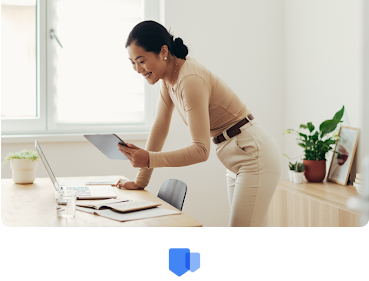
x,y
151,36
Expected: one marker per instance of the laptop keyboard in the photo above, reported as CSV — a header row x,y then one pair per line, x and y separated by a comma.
x,y
80,190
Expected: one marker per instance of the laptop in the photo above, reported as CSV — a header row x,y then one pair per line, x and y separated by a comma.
x,y
83,191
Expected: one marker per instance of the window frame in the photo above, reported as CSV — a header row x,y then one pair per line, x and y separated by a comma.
x,y
43,124
19,125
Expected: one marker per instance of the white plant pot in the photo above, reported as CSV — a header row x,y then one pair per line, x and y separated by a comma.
x,y
290,174
23,170
297,177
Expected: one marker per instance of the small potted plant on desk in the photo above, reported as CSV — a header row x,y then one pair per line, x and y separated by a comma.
x,y
292,170
299,172
23,165
316,145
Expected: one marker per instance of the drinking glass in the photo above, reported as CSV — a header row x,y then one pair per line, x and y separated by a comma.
x,y
65,204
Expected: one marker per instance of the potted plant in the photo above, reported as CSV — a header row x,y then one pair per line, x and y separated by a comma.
x,y
299,171
291,171
23,165
317,144
291,167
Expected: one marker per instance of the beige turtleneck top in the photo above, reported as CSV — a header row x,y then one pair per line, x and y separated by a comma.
x,y
207,106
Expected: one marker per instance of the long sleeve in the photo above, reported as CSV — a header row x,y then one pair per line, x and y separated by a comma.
x,y
158,132
194,99
206,104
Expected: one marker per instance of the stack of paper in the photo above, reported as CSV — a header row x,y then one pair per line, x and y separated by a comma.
x,y
89,181
358,183
102,180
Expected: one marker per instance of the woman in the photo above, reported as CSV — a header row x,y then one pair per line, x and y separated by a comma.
x,y
210,109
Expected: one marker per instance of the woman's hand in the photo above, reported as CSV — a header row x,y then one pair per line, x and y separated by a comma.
x,y
127,184
139,157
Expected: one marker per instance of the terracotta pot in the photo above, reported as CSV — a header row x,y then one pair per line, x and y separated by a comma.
x,y
314,170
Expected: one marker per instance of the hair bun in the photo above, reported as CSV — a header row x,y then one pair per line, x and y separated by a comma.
x,y
152,36
180,49
178,42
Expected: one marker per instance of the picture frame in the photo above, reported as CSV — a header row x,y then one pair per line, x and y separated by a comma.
x,y
340,167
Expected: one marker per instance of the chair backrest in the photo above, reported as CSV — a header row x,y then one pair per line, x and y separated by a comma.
x,y
173,192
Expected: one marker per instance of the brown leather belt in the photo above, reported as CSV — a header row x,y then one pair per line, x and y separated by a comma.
x,y
234,130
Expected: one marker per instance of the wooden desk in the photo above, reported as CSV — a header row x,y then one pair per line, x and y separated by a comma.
x,y
312,204
34,205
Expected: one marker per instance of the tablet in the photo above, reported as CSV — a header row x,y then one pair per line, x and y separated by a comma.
x,y
107,144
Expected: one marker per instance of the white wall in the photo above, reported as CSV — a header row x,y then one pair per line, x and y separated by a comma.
x,y
324,70
290,61
365,104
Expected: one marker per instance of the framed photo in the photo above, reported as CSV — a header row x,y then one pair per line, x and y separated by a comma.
x,y
340,167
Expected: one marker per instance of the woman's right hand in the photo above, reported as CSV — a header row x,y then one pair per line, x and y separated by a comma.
x,y
127,184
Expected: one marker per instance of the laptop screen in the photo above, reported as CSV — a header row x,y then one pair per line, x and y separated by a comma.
x,y
47,166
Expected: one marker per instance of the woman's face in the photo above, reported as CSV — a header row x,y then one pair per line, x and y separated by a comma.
x,y
151,66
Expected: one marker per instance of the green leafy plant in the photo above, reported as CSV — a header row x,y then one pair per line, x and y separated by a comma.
x,y
24,154
290,164
300,167
317,144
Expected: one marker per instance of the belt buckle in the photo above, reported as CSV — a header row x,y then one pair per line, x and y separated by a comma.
x,y
247,118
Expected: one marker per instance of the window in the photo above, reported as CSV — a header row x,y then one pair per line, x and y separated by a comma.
x,y
65,68
18,59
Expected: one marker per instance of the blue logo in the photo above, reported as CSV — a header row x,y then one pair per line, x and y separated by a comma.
x,y
181,261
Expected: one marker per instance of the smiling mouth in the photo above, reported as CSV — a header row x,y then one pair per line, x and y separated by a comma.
x,y
147,75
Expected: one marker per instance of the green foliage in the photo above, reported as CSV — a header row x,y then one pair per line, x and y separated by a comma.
x,y
317,144
300,167
24,154
290,164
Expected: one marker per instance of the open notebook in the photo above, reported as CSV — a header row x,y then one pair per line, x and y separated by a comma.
x,y
117,205
121,210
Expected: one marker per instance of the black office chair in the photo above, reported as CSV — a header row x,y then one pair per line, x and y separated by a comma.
x,y
173,192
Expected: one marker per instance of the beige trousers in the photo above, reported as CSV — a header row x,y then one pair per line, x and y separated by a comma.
x,y
254,164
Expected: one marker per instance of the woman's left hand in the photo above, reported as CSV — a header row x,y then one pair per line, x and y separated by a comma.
x,y
139,157
127,184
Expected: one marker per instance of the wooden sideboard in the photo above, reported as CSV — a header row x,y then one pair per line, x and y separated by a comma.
x,y
312,204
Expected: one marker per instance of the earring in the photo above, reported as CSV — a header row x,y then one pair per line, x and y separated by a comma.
x,y
165,58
